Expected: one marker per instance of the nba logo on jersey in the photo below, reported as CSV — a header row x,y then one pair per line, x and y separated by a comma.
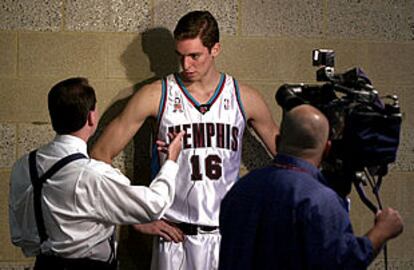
x,y
177,105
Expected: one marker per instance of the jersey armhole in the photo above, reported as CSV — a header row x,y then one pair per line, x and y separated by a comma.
x,y
155,158
239,101
161,107
155,162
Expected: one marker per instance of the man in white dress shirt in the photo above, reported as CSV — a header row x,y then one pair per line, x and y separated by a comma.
x,y
63,205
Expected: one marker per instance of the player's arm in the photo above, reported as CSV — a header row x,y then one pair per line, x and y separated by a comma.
x,y
259,117
121,130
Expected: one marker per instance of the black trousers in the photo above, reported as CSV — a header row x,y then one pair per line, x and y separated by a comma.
x,y
51,262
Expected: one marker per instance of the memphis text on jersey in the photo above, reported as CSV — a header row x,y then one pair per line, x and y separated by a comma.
x,y
202,135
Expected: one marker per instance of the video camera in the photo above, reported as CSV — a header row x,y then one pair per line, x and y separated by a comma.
x,y
364,127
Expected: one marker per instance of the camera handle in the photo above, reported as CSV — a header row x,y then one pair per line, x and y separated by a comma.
x,y
359,182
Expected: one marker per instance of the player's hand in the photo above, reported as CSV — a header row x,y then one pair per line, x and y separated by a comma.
x,y
174,148
162,228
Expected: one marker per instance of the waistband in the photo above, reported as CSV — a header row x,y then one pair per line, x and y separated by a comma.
x,y
194,229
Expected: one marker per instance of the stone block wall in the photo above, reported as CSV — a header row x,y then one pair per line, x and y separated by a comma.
x,y
121,45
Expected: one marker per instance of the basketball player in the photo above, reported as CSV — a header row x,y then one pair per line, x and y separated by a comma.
x,y
213,109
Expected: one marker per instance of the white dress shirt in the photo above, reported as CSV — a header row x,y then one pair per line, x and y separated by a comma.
x,y
82,202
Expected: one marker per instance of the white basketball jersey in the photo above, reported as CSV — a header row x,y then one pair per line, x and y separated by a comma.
x,y
211,152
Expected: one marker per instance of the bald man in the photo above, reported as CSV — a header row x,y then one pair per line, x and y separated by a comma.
x,y
286,217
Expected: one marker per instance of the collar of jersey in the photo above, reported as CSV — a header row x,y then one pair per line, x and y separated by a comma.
x,y
191,98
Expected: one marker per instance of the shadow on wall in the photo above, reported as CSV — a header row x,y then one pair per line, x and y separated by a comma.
x,y
158,44
254,154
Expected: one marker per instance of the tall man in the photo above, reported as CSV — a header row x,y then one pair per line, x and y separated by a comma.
x,y
286,217
63,205
213,109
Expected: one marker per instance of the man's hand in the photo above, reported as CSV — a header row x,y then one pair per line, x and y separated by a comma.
x,y
389,222
388,225
162,228
174,148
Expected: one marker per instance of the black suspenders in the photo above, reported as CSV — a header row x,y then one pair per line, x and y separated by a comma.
x,y
37,183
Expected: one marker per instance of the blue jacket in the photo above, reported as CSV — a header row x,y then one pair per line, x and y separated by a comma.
x,y
286,217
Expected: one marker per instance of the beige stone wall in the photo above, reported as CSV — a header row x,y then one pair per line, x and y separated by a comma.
x,y
120,45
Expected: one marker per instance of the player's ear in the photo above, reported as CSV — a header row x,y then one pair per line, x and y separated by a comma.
x,y
216,49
